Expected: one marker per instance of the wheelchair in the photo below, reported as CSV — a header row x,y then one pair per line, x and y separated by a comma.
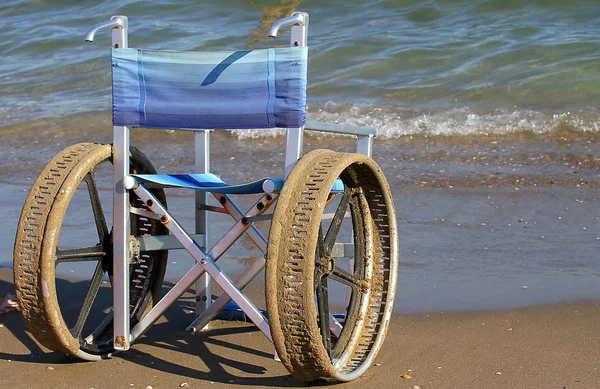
x,y
306,255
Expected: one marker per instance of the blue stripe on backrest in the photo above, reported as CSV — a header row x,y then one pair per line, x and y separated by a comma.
x,y
212,90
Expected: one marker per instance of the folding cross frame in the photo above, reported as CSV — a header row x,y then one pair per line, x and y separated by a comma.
x,y
300,254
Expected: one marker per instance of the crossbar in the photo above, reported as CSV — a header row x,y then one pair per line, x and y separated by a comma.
x,y
205,262
166,242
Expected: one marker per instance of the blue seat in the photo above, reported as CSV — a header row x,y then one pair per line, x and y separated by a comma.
x,y
209,182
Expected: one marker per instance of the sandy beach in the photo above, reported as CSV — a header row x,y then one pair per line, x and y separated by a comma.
x,y
552,346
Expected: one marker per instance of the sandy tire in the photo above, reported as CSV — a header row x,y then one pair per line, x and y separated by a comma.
x,y
300,265
37,253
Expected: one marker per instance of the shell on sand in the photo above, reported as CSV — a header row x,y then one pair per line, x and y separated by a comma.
x,y
8,303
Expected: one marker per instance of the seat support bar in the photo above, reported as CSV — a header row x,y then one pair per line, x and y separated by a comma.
x,y
121,341
202,166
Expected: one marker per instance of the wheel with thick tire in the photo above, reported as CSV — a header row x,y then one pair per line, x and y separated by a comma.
x,y
61,323
302,269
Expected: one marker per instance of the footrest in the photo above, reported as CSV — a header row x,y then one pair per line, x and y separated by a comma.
x,y
232,311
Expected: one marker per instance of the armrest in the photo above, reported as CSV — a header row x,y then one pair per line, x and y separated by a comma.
x,y
340,128
295,139
364,135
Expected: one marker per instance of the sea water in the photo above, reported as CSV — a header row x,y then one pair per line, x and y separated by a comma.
x,y
487,115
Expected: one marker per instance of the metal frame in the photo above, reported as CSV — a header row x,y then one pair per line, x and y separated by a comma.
x,y
121,338
298,37
202,162
196,244
364,135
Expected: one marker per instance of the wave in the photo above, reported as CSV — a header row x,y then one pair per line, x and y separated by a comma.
x,y
394,122
390,122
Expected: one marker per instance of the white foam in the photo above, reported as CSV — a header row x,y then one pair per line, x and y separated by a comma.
x,y
394,122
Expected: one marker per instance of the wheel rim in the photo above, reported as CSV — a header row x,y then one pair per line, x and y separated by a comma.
x,y
300,266
35,270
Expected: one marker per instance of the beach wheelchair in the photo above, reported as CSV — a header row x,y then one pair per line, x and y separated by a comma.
x,y
320,194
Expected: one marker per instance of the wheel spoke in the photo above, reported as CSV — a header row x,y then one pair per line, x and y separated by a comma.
x,y
104,325
344,277
96,206
336,222
323,307
81,254
89,300
320,243
351,314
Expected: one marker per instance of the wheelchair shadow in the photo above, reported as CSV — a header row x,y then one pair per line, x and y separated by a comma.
x,y
230,353
217,352
13,322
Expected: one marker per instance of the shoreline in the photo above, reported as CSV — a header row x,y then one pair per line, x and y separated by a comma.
x,y
549,346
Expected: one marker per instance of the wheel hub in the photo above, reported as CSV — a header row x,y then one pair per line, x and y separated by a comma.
x,y
325,266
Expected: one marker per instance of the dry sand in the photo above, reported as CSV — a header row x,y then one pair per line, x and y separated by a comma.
x,y
556,346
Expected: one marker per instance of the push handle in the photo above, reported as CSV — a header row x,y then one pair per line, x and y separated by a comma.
x,y
118,25
114,22
298,38
120,281
296,19
299,30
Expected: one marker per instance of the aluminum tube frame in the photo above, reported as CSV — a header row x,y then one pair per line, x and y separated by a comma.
x,y
335,128
119,26
295,19
293,148
202,166
364,145
168,299
236,213
299,31
204,263
295,136
364,135
121,223
121,228
166,242
201,322
252,271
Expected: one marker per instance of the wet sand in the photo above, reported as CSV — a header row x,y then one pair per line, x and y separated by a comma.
x,y
461,248
553,346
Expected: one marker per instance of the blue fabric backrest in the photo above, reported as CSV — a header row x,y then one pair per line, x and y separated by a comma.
x,y
210,90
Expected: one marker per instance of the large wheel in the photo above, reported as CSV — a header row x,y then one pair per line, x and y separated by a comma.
x,y
58,317
301,269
